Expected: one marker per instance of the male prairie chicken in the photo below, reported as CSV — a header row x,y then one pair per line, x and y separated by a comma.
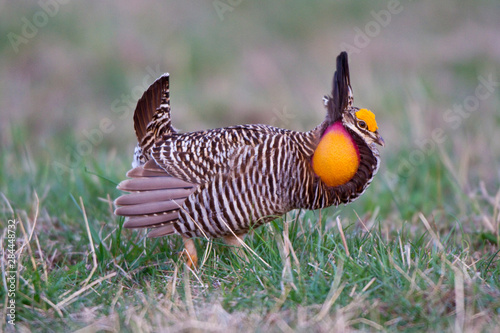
x,y
223,182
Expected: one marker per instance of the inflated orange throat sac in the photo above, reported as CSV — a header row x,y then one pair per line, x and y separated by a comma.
x,y
336,159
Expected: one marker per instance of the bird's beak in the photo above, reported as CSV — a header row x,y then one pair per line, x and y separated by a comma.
x,y
379,140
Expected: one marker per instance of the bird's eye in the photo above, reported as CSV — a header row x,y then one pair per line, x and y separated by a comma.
x,y
362,124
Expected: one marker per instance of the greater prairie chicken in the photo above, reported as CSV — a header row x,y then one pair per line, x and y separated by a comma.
x,y
223,182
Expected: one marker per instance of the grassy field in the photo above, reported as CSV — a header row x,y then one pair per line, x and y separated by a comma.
x,y
419,251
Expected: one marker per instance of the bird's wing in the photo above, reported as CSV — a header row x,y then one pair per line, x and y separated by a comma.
x,y
249,194
198,157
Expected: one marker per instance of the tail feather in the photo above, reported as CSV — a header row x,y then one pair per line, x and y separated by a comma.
x,y
152,118
148,104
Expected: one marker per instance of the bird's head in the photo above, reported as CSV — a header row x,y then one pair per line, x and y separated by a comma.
x,y
363,123
339,106
348,131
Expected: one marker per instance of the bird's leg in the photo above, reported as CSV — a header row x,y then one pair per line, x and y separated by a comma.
x,y
190,252
235,241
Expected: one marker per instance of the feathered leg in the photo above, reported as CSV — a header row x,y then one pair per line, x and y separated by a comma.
x,y
190,252
235,241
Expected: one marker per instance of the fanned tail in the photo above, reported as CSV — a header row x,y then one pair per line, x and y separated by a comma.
x,y
154,201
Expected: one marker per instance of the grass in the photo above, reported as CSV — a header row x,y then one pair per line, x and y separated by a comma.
x,y
419,251
77,267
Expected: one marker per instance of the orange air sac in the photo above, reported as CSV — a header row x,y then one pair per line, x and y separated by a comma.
x,y
336,159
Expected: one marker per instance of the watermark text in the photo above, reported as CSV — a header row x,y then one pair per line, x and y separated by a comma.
x,y
11,271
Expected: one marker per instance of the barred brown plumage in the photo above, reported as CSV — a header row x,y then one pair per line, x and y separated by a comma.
x,y
223,182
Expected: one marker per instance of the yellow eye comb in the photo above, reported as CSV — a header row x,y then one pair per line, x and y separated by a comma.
x,y
369,118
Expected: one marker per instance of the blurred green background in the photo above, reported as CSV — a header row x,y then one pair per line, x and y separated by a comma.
x,y
68,67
